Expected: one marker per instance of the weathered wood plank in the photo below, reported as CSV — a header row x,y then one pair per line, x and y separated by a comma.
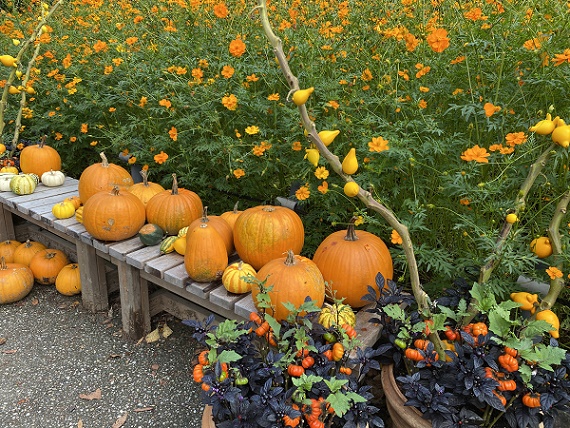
x,y
202,289
138,258
120,249
135,313
163,300
223,298
6,225
158,266
244,307
177,276
93,278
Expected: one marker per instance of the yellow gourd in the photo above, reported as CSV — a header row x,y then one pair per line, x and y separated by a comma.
x,y
350,163
8,60
546,126
550,317
526,300
327,137
351,189
301,96
312,155
63,210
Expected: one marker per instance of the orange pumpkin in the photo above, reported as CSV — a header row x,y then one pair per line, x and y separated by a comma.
x,y
7,249
16,281
113,215
75,200
206,256
39,158
221,226
145,189
173,209
292,279
46,265
68,281
266,232
232,216
102,176
350,261
24,252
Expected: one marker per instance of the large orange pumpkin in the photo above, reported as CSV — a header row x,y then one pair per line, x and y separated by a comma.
x,y
102,176
16,281
145,189
24,252
221,226
173,209
292,279
206,256
350,260
113,215
47,264
8,248
266,232
39,158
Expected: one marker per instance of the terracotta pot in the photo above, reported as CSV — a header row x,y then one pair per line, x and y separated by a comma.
x,y
207,421
402,416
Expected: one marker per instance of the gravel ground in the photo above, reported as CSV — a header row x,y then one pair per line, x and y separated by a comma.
x,y
56,358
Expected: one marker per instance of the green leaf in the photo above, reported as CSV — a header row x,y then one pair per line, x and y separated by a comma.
x,y
227,356
485,300
341,401
395,311
335,384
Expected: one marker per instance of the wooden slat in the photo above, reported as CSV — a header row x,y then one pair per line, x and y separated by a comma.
x,y
244,307
177,276
223,298
202,289
158,266
119,250
138,258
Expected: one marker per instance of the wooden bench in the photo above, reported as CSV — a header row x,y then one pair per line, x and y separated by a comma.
x,y
137,265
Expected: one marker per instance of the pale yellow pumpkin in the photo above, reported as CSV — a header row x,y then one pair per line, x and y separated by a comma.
x,y
234,277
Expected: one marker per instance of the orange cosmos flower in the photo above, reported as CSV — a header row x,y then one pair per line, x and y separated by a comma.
x,y
252,130
100,46
438,40
230,102
258,150
395,238
475,14
239,173
560,59
252,78
323,188
422,104
477,154
132,160
108,69
378,144
273,97
322,173
173,133
303,193
464,201
227,71
84,128
221,10
160,158
93,143
165,103
143,101
296,146
66,61
515,138
491,109
554,272
237,47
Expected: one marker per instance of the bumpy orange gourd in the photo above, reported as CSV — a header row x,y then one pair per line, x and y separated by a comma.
x,y
113,215
68,281
39,158
266,232
145,189
46,264
350,262
221,226
173,209
102,176
7,249
232,216
16,281
24,252
75,200
292,279
206,256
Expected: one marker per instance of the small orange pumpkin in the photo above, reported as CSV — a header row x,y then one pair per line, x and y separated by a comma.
x,y
24,252
218,223
68,281
145,189
16,281
46,264
206,256
102,176
75,200
7,249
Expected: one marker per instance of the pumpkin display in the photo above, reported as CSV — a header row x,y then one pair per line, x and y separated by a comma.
x,y
46,264
23,184
350,260
336,314
145,189
24,252
234,277
266,232
206,257
231,216
218,223
52,178
63,210
74,200
16,281
79,214
5,178
173,209
292,278
68,281
39,158
102,176
8,248
113,215
151,234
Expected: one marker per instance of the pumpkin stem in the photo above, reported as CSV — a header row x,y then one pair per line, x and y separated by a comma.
x,y
42,141
205,218
104,161
290,258
50,255
350,231
174,185
3,265
236,207
144,176
115,190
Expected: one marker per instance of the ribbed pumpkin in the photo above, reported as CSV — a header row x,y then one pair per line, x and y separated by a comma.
x,y
151,234
79,214
350,261
7,249
24,252
233,277
293,278
39,158
102,176
16,281
173,209
206,257
232,216
145,189
75,200
68,281
266,232
23,184
46,264
113,215
218,223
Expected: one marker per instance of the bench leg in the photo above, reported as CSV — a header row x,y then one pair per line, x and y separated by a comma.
x,y
135,310
94,291
6,225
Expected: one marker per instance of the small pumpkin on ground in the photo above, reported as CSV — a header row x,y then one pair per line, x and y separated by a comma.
x,y
102,176
16,281
206,256
68,281
24,252
39,158
151,234
8,248
145,189
233,277
46,265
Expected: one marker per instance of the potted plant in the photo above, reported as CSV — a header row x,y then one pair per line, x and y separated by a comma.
x,y
293,373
